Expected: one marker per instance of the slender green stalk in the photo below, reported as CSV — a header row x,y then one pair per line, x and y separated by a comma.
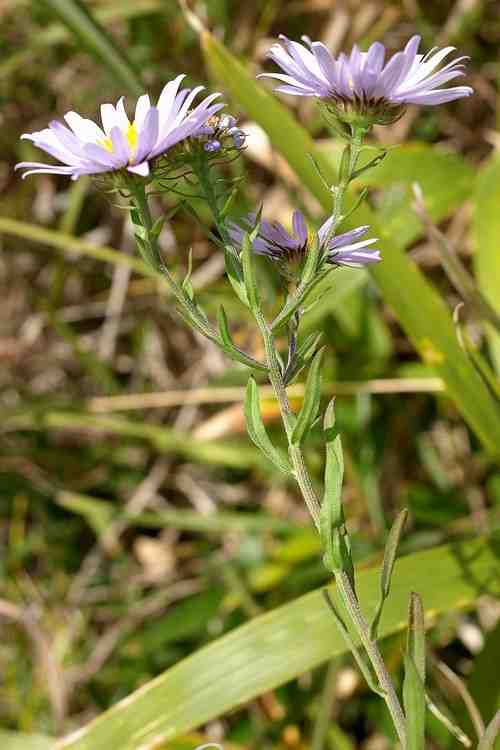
x,y
140,201
351,604
344,586
300,470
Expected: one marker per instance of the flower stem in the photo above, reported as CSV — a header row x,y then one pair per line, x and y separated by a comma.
x,y
185,305
276,378
358,619
344,586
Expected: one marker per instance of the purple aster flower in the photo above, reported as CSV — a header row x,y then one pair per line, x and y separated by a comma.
x,y
87,148
289,248
364,83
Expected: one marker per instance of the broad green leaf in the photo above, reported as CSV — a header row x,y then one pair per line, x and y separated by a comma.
x,y
21,741
282,644
312,397
77,17
257,431
483,682
423,314
487,238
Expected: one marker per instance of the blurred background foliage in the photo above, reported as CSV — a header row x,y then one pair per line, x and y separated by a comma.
x,y
137,522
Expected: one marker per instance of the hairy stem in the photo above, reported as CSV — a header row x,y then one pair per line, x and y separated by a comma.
x,y
344,585
187,307
351,604
288,418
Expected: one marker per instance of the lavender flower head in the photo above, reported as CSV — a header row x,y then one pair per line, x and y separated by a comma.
x,y
288,249
364,87
87,148
221,134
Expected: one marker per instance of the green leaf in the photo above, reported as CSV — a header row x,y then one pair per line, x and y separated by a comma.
x,y
257,431
282,644
414,681
333,534
235,274
249,276
187,286
310,405
483,682
416,635
414,706
21,741
77,17
486,226
304,352
311,265
231,349
423,314
391,549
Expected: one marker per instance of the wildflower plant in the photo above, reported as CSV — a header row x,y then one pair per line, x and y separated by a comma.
x,y
179,140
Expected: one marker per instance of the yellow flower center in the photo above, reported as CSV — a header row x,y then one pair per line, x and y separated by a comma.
x,y
106,143
131,134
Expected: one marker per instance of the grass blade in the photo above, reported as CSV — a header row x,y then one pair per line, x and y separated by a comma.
x,y
279,645
486,232
97,41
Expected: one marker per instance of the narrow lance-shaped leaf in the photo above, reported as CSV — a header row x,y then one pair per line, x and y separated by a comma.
x,y
257,431
416,634
234,273
297,299
249,275
187,285
391,550
312,397
304,352
333,535
231,349
414,681
414,706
